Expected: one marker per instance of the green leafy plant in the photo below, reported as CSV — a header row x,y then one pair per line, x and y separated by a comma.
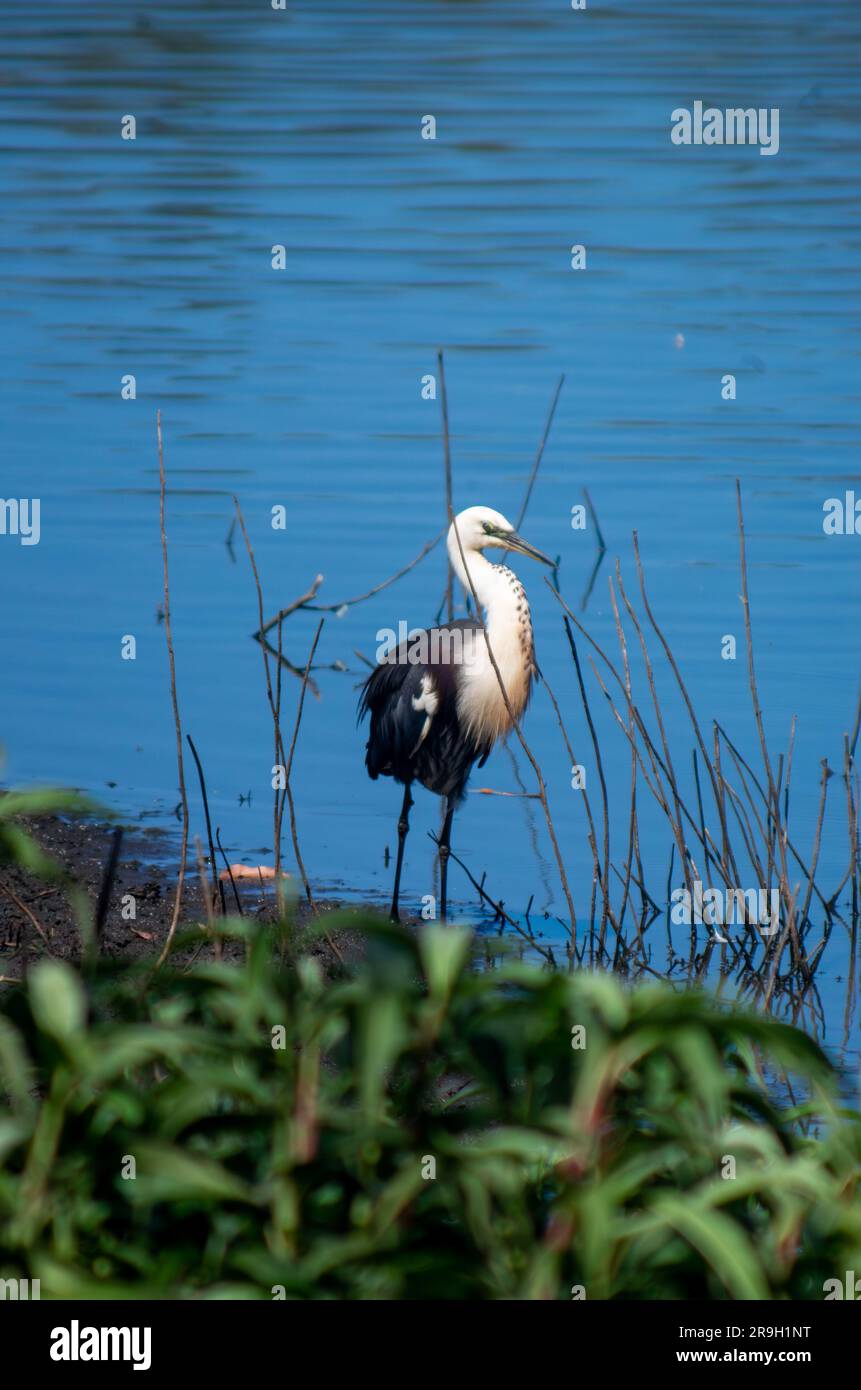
x,y
415,1127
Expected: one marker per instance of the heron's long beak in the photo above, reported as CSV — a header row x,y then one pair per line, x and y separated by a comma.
x,y
515,542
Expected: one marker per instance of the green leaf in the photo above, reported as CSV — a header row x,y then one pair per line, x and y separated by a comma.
x,y
166,1174
58,1001
444,952
721,1242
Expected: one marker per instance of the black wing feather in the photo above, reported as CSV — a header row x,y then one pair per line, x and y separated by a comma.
x,y
441,761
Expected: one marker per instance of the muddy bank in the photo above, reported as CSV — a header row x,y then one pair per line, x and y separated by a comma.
x,y
37,917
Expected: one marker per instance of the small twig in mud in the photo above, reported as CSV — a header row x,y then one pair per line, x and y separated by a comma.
x,y
22,907
107,885
229,870
174,702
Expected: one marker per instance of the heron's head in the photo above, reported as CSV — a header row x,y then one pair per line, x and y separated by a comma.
x,y
481,528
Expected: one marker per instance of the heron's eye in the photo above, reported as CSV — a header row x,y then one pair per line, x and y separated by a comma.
x,y
488,528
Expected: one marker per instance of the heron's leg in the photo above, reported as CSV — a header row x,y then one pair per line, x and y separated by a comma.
x,y
444,853
403,827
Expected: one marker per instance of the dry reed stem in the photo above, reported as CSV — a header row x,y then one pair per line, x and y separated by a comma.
x,y
498,907
301,602
605,876
540,454
596,869
789,898
174,703
680,682
671,777
632,819
817,840
446,446
289,769
377,588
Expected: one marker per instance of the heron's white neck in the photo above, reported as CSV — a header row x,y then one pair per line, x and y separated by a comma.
x,y
509,632
497,594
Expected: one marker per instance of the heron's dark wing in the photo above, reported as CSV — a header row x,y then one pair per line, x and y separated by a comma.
x,y
413,709
390,696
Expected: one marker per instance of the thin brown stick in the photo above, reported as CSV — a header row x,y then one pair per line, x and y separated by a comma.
x,y
291,607
378,588
828,904
592,836
278,809
852,822
498,907
279,742
757,708
632,822
229,869
826,774
177,906
540,454
217,885
671,776
289,767
446,445
854,739
683,689
605,876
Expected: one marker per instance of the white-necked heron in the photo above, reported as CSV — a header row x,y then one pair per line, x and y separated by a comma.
x,y
435,703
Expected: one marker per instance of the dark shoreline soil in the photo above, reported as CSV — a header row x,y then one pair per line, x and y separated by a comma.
x,y
38,919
